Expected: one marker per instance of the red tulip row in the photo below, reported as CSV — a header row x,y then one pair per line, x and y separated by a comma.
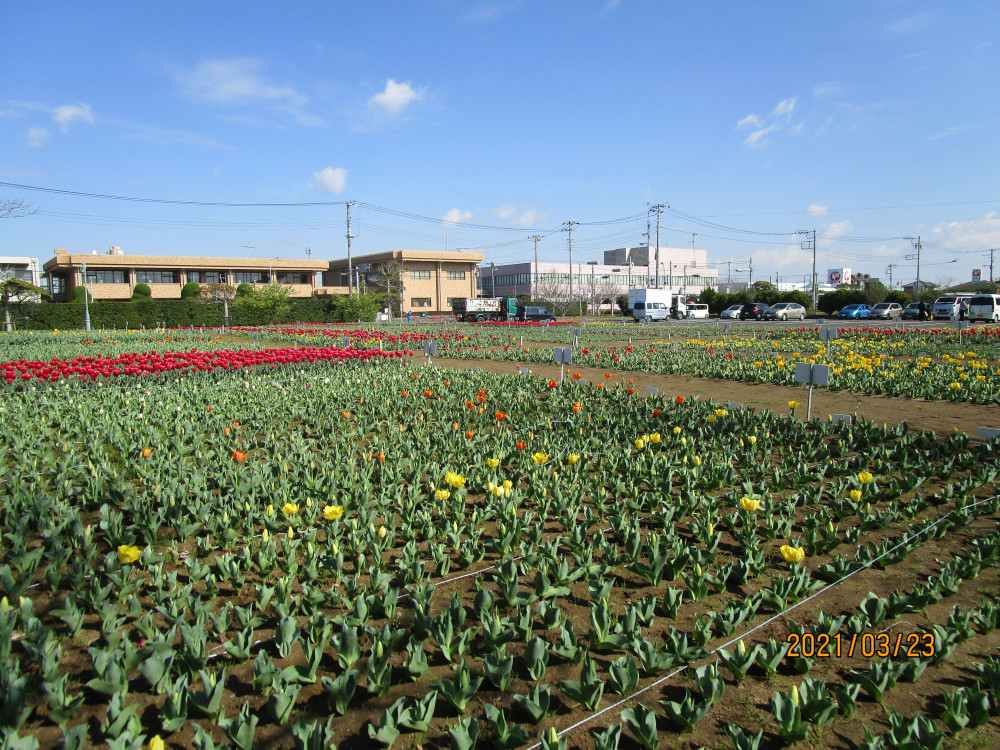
x,y
154,364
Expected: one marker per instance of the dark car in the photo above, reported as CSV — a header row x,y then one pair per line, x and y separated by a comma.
x,y
535,314
911,311
753,311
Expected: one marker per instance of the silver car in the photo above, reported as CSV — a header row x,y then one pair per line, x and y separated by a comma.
x,y
785,311
887,310
731,312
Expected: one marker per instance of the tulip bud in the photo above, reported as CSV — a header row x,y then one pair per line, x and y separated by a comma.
x,y
265,536
740,647
795,694
291,534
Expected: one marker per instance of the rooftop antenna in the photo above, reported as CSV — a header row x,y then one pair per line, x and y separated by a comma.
x,y
309,253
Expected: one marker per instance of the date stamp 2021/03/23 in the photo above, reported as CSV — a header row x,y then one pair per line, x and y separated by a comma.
x,y
865,645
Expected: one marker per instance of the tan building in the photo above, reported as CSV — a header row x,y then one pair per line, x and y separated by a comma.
x,y
430,280
113,276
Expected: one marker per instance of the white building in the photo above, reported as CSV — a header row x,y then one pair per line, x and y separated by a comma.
x,y
18,267
596,284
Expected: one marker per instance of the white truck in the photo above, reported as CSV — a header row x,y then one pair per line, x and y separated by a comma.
x,y
656,304
479,309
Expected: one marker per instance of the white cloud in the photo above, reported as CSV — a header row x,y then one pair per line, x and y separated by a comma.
x,y
785,107
946,133
70,113
779,118
837,229
750,120
965,236
911,24
456,216
239,81
758,139
37,137
395,97
330,180
529,218
817,210
504,212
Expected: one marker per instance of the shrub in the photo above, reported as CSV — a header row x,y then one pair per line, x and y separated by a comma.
x,y
141,292
191,289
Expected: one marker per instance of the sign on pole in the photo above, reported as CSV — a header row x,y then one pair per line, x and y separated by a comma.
x,y
564,356
811,375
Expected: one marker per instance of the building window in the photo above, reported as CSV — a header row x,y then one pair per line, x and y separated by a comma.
x,y
455,275
23,274
420,302
420,275
250,277
293,278
207,277
157,277
106,277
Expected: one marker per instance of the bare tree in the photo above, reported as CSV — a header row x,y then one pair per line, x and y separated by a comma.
x,y
554,293
224,293
11,208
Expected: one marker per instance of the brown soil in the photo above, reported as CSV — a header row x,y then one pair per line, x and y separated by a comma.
x,y
939,416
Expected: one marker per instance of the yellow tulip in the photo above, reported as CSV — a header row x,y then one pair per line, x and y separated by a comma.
x,y
654,438
855,495
493,462
640,444
290,509
572,458
455,480
127,554
382,532
677,430
750,504
333,512
696,460
792,554
865,477
793,404
157,743
442,494
540,458
265,536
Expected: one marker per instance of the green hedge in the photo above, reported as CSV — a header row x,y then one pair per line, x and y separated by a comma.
x,y
47,316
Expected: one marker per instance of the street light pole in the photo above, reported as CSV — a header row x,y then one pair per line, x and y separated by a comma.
x,y
86,303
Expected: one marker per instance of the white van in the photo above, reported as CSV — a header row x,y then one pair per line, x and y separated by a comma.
x,y
697,311
946,308
985,307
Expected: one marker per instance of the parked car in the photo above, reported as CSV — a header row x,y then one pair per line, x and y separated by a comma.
x,y
753,310
785,311
731,312
985,307
536,314
888,310
854,311
697,311
911,312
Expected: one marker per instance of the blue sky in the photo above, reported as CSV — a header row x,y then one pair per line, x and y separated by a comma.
x,y
479,124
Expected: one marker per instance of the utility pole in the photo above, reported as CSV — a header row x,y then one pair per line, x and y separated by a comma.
x,y
249,247
309,253
888,270
350,270
534,276
493,279
729,278
992,250
658,207
569,228
807,245
915,241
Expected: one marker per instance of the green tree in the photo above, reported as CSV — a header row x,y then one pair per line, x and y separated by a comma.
x,y
897,296
14,292
360,307
268,302
141,292
190,290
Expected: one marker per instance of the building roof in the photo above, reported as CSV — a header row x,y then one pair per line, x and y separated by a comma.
x,y
411,255
66,261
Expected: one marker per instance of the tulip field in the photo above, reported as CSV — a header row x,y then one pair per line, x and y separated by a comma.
x,y
212,541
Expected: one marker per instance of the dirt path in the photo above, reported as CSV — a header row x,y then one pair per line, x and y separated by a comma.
x,y
940,416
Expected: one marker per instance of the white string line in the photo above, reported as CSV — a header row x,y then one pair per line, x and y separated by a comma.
x,y
779,615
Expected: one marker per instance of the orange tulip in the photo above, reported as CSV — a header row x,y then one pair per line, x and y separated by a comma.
x,y
239,456
381,457
468,434
521,445
428,394
405,394
345,414
147,452
577,408
481,398
501,416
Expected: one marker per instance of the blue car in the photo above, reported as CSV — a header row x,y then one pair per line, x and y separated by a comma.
x,y
855,311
